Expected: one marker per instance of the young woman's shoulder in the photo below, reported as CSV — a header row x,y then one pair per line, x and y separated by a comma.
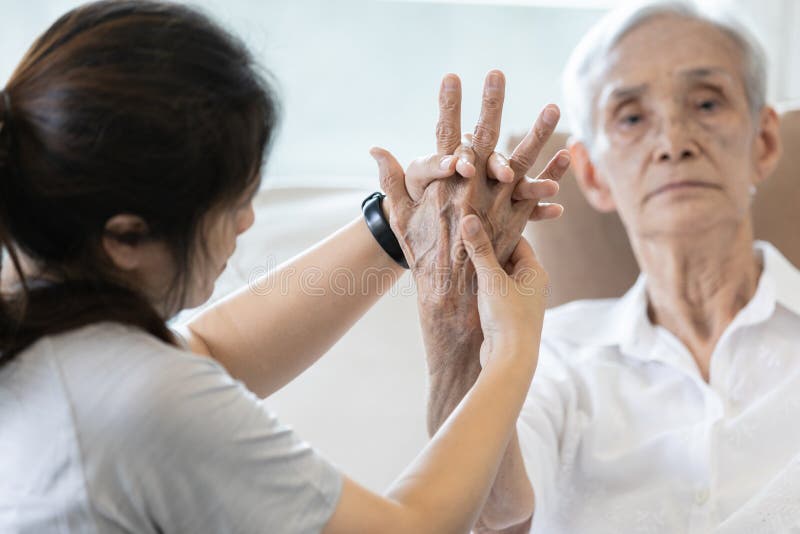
x,y
127,369
168,438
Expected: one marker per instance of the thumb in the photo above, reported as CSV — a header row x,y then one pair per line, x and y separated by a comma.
x,y
523,257
477,243
393,180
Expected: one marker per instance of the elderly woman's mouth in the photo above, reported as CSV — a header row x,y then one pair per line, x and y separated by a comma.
x,y
680,186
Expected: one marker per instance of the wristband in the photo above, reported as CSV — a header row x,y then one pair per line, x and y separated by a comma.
x,y
380,229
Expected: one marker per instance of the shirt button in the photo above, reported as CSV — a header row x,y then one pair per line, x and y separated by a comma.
x,y
701,497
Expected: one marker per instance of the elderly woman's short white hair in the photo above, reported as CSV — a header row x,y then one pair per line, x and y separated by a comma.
x,y
585,63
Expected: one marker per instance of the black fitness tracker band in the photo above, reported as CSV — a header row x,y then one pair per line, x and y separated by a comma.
x,y
379,226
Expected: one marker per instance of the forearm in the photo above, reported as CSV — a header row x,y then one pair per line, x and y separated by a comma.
x,y
510,501
443,489
270,331
453,369
454,462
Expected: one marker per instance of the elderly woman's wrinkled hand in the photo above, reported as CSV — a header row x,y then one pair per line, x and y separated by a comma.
x,y
427,202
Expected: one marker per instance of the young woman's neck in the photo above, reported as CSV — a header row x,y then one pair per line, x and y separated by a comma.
x,y
33,272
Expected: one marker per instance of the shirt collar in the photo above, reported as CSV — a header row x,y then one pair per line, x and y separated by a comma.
x,y
624,322
782,275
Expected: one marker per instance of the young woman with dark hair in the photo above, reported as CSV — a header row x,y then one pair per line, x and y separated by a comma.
x,y
132,137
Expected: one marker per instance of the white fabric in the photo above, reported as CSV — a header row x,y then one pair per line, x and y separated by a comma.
x,y
107,429
620,432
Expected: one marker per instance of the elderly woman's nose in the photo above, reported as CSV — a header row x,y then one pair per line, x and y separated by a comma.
x,y
674,140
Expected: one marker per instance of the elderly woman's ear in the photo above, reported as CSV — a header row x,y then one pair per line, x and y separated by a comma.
x,y
768,145
594,186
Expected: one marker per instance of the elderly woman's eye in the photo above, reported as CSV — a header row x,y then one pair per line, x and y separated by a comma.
x,y
631,119
708,105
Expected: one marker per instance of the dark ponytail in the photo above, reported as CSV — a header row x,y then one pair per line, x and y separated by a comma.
x,y
129,106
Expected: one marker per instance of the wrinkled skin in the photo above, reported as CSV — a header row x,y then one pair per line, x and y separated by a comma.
x,y
431,240
427,227
425,207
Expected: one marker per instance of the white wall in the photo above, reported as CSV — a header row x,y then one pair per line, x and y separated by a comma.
x,y
775,23
354,73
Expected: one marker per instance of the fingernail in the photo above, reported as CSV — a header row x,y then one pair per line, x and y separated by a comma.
x,y
446,163
471,225
466,161
550,116
450,83
563,161
494,80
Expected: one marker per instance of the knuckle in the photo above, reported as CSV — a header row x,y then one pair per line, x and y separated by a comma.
x,y
483,248
466,152
541,134
445,131
448,103
523,191
549,174
492,101
387,181
466,148
522,160
485,135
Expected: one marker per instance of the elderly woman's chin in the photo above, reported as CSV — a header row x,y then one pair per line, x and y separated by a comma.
x,y
690,211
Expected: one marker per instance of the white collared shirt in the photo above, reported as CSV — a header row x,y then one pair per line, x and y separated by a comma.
x,y
621,434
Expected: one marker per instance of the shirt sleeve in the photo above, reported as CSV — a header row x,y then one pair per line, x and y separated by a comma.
x,y
544,430
177,445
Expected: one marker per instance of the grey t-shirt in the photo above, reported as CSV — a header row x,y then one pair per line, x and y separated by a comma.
x,y
107,429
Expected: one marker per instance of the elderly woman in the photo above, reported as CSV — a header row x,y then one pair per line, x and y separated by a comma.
x,y
673,408
131,142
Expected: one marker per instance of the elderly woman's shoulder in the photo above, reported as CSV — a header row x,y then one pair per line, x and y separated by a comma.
x,y
577,316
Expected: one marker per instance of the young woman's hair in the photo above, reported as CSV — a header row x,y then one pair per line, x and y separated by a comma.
x,y
121,107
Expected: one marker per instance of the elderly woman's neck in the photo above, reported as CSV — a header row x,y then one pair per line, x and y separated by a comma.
x,y
697,284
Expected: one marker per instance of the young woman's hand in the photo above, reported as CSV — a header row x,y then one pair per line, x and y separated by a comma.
x,y
511,297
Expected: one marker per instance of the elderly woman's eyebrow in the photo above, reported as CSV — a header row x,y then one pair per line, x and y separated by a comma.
x,y
706,72
623,93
